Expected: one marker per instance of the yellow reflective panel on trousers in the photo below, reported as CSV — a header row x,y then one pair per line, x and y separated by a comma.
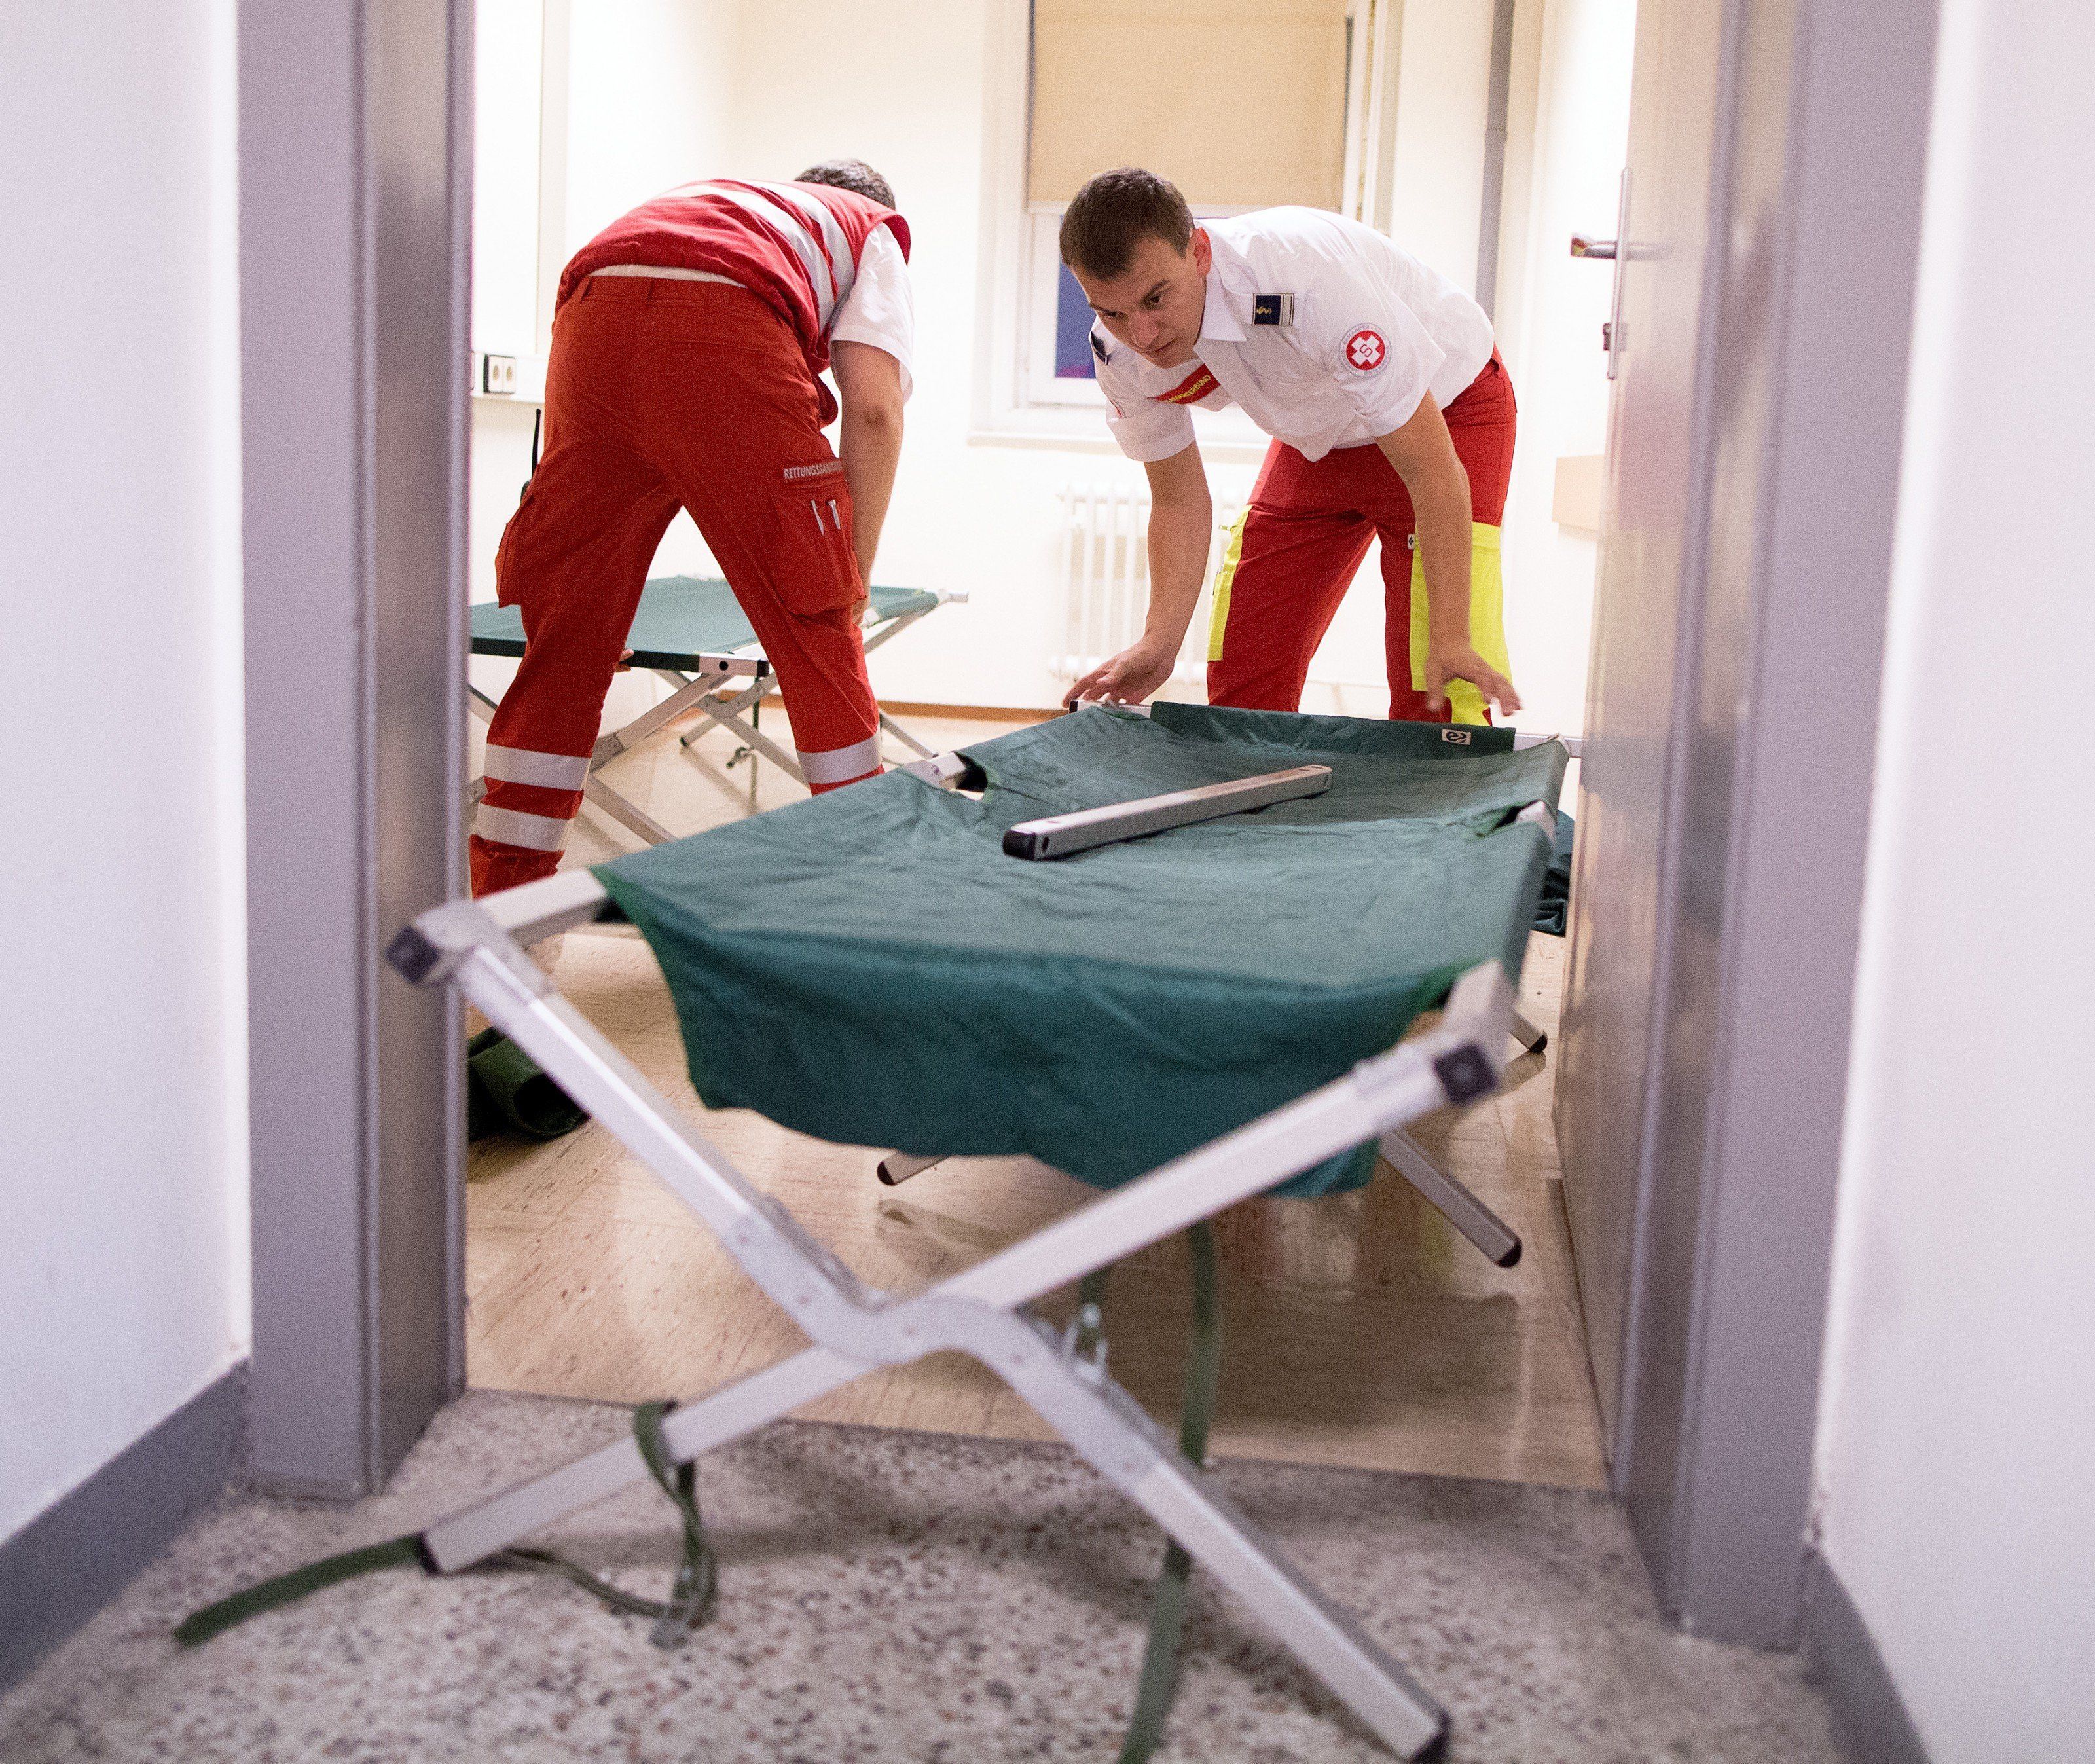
x,y
1224,577
1487,621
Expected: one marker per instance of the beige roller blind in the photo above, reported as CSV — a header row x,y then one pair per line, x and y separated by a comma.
x,y
1241,103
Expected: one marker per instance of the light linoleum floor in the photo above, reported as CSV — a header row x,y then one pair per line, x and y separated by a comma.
x,y
1361,1331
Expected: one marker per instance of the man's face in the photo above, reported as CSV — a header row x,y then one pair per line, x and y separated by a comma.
x,y
1156,307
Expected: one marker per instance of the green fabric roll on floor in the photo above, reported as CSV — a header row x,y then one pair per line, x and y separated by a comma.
x,y
869,967
505,1092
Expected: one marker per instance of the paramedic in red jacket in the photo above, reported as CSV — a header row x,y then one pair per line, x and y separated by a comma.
x,y
688,339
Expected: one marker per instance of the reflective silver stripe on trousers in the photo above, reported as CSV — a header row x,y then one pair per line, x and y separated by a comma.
x,y
839,765
805,246
513,826
550,771
842,262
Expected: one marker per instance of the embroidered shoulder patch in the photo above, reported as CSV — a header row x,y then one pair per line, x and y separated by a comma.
x,y
1273,309
1098,348
1365,349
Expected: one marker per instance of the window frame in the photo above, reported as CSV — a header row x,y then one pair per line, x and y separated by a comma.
x,y
1041,280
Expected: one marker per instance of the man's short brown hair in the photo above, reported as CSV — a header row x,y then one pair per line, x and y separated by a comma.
x,y
853,175
1114,213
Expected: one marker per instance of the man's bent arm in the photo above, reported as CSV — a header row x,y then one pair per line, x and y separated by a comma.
x,y
1424,455
869,439
1182,516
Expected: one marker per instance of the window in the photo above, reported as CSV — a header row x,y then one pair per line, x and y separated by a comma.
x,y
1073,356
1055,348
1241,103
1256,110
1057,363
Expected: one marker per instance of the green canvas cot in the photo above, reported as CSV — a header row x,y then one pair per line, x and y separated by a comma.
x,y
693,633
680,617
870,967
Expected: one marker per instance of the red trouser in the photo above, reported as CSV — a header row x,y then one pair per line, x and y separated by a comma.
x,y
1303,535
662,393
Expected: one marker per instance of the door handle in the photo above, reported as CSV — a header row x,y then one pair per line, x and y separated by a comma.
x,y
1614,250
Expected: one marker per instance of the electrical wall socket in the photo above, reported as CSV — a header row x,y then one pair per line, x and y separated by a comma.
x,y
497,373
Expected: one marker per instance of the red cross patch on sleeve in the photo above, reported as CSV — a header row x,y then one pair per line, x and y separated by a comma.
x,y
1365,349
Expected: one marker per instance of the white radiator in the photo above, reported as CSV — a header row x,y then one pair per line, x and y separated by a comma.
x,y
1104,576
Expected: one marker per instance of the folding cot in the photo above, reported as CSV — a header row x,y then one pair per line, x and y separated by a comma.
x,y
691,632
1187,1019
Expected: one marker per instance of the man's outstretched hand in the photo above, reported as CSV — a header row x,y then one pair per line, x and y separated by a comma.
x,y
1129,678
1446,661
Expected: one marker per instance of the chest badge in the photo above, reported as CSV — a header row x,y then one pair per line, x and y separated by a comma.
x,y
1195,386
1366,350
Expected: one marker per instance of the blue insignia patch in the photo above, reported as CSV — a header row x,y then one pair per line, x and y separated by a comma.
x,y
1273,309
1098,348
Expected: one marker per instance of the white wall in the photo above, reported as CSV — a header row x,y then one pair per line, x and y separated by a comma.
x,y
1958,1442
1443,102
123,1264
651,90
1569,135
509,44
647,98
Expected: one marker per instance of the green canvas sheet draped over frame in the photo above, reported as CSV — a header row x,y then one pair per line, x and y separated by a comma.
x,y
679,618
869,967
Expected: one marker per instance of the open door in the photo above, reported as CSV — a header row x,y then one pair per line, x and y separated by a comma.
x,y
1654,344
1764,273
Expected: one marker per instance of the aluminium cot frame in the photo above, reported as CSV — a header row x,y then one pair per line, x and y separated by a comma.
x,y
984,1311
697,687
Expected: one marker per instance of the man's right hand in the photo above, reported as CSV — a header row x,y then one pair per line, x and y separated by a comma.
x,y
1129,678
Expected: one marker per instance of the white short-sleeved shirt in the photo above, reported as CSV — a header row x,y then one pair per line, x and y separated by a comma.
x,y
879,310
1325,332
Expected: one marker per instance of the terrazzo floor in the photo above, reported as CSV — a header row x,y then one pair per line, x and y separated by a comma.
x,y
888,1595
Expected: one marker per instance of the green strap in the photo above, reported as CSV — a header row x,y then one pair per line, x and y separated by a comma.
x,y
698,1574
1159,1682
690,1597
199,1626
692,1594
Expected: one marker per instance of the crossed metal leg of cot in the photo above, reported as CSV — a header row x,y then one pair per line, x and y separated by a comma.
x,y
701,685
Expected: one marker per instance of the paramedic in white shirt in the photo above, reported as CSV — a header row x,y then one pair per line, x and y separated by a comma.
x,y
1392,416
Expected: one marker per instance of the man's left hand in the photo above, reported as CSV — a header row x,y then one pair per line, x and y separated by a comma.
x,y
1448,659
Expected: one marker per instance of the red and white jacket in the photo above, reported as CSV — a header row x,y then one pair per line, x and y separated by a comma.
x,y
796,246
